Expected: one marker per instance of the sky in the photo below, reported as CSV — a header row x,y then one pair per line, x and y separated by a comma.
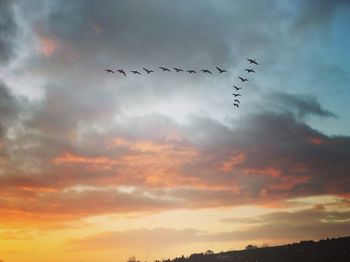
x,y
95,166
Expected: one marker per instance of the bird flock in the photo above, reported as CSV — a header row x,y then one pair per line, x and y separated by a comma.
x,y
236,101
164,69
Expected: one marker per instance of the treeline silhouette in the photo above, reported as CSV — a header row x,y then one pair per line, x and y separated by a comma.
x,y
325,250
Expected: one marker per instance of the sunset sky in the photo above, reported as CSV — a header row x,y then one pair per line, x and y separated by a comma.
x,y
99,167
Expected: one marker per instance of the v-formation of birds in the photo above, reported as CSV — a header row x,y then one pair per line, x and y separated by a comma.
x,y
236,101
164,69
205,71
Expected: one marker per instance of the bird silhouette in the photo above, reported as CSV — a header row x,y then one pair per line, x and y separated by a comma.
x,y
250,70
147,70
206,71
236,105
221,70
164,68
136,72
191,71
109,71
253,61
178,69
243,79
236,100
237,88
122,72
236,94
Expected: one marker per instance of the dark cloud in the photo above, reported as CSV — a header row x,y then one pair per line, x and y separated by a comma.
x,y
8,104
8,110
8,31
317,14
137,32
268,158
303,104
303,224
281,153
133,34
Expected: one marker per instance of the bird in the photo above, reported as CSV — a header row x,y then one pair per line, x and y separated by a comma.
x,y
136,72
236,105
250,70
253,61
237,88
206,71
122,72
178,69
191,71
221,70
164,68
236,100
148,71
243,79
109,71
236,94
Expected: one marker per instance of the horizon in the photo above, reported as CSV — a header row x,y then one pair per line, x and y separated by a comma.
x,y
249,144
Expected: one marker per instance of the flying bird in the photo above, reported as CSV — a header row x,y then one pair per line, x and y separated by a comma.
x,y
243,79
109,71
221,70
206,71
178,69
253,61
164,69
191,71
250,70
237,88
236,94
236,100
236,105
148,71
136,72
122,72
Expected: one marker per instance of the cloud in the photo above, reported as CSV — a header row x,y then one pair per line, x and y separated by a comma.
x,y
8,31
303,104
8,106
174,139
145,238
275,227
268,158
159,28
302,224
9,109
56,207
316,14
48,46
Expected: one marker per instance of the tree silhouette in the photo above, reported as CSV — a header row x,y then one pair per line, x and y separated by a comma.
x,y
250,247
132,259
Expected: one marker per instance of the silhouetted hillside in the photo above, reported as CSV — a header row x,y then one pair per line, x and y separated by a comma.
x,y
330,250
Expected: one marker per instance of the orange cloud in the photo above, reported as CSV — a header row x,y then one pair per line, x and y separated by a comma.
x,y
287,183
69,158
147,162
48,46
270,171
316,141
233,161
